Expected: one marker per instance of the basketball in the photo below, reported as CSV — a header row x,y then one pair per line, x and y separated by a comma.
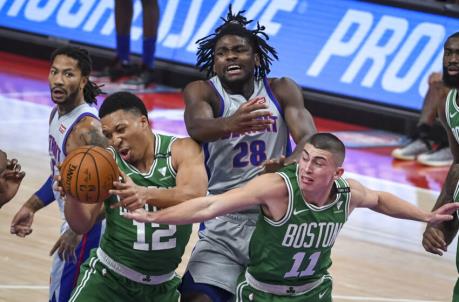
x,y
87,173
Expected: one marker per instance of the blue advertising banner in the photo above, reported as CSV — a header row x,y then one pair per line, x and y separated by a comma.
x,y
348,47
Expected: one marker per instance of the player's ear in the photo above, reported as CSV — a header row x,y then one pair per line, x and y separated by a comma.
x,y
84,81
338,173
145,121
257,60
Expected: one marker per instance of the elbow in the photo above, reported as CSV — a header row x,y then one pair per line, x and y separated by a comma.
x,y
194,133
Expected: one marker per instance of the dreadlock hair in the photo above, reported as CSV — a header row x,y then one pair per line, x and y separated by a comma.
x,y
123,100
91,89
236,25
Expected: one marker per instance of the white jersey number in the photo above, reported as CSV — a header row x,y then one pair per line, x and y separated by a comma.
x,y
298,260
157,238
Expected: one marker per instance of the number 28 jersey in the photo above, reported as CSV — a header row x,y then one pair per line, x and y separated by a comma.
x,y
235,159
296,249
149,248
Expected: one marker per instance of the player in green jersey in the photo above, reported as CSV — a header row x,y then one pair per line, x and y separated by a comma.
x,y
304,206
137,261
437,238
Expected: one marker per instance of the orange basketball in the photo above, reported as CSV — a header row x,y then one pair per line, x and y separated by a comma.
x,y
87,174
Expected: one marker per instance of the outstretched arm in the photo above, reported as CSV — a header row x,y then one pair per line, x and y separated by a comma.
x,y
388,204
263,190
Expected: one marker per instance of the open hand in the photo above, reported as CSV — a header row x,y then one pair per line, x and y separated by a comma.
x,y
66,246
131,196
250,117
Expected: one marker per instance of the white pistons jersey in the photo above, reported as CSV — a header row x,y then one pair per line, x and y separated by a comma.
x,y
235,159
59,129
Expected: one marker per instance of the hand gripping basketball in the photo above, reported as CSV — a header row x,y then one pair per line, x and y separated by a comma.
x,y
88,173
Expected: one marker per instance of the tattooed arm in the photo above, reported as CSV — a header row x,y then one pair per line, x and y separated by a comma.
x,y
88,131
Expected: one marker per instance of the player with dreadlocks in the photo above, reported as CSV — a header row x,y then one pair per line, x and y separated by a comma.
x,y
73,123
243,120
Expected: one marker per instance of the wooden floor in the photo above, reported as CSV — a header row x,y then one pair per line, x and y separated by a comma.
x,y
375,258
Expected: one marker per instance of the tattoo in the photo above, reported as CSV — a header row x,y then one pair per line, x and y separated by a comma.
x,y
34,203
94,137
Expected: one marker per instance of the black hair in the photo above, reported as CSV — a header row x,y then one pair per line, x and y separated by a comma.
x,y
236,25
91,89
331,143
455,35
122,100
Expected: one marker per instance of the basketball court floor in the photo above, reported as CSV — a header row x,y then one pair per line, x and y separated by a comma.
x,y
375,258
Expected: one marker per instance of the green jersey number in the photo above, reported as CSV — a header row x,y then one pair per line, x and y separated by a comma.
x,y
298,260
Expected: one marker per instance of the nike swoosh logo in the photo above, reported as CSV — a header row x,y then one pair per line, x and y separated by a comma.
x,y
451,115
295,212
321,295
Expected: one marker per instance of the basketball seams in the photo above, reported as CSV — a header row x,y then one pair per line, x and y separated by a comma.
x,y
110,161
96,168
78,173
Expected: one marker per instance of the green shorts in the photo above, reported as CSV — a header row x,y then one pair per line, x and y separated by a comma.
x,y
246,293
98,283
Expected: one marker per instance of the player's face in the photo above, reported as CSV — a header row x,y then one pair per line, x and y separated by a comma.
x,y
65,80
234,59
317,169
125,131
451,63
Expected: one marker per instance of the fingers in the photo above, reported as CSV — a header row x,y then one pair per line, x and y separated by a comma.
x,y
20,231
55,247
123,176
433,241
139,215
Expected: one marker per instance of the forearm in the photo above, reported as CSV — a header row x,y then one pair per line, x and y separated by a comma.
x,y
393,206
80,217
298,149
164,198
208,129
34,203
195,210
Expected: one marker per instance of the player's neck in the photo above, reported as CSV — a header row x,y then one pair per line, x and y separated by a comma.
x,y
245,88
145,163
69,105
322,197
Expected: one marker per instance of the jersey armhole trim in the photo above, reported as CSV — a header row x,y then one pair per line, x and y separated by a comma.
x,y
220,97
288,214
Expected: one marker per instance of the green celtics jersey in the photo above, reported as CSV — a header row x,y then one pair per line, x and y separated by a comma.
x,y
296,249
149,248
452,110
456,199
